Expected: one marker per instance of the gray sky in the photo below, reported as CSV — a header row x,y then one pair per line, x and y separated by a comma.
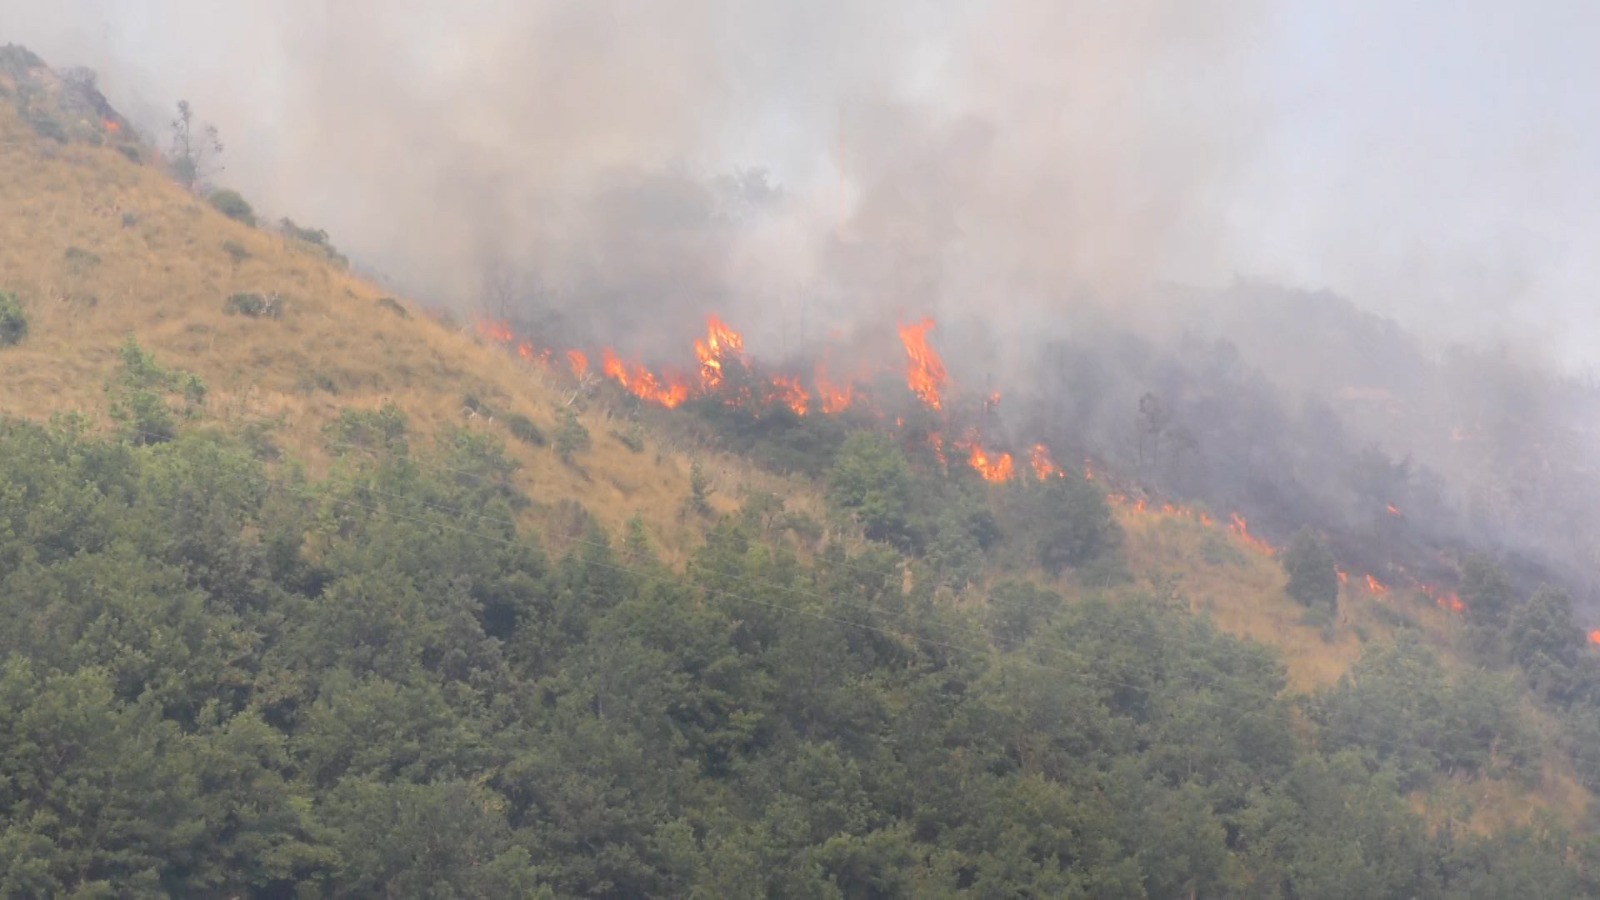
x,y
1436,161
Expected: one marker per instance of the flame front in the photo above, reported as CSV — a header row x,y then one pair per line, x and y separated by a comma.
x,y
579,362
832,398
1241,528
788,391
499,332
721,344
1376,587
925,374
994,469
1043,467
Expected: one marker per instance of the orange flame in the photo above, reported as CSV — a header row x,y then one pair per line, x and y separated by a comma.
x,y
110,126
578,361
832,398
994,469
642,383
937,440
1344,577
1376,587
525,350
1393,510
721,343
925,374
1241,528
1043,467
499,332
1594,636
788,391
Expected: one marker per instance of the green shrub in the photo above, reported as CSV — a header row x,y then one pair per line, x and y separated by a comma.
x,y
523,429
139,396
1074,525
632,437
13,322
572,437
1313,579
255,306
382,429
234,206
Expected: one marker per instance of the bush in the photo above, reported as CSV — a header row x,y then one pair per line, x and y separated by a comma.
x,y
523,429
255,306
140,396
572,437
13,322
1074,525
235,207
1313,579
382,429
871,480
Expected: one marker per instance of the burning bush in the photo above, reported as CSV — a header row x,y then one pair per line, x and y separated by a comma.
x,y
13,322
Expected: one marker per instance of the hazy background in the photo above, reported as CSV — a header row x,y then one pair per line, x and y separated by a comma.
x,y
1009,160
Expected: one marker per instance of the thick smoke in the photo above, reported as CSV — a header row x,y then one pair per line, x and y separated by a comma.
x,y
1030,172
799,167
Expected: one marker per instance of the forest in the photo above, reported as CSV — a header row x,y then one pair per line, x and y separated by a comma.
x,y
226,677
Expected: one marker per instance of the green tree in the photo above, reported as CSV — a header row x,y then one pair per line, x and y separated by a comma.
x,y
871,480
13,320
1313,577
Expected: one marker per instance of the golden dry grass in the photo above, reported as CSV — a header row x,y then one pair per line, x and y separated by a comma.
x,y
148,260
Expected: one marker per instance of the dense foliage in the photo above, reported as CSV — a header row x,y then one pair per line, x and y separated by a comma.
x,y
220,679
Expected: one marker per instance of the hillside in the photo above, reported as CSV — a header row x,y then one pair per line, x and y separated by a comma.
x,y
793,650
100,248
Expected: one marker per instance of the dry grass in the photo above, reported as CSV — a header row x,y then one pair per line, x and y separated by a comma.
x,y
99,249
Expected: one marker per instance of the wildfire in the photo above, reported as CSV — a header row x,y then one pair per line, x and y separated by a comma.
x,y
1376,587
579,362
788,391
720,344
832,398
642,383
937,440
994,469
1241,528
1043,467
1594,636
925,374
1393,510
499,332
1344,577
110,126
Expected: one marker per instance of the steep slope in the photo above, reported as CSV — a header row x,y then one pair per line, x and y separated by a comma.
x,y
100,248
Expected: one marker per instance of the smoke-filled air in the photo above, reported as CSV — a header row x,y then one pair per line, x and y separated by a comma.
x,y
1272,320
